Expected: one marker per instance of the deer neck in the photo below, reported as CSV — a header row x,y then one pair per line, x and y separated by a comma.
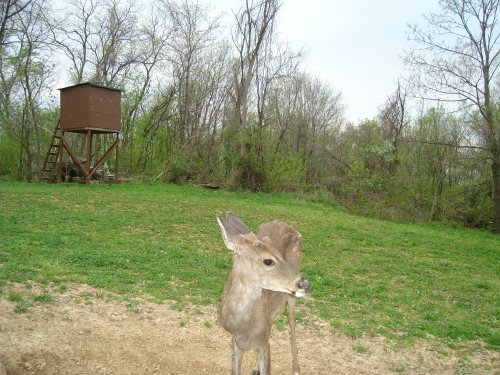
x,y
243,289
244,307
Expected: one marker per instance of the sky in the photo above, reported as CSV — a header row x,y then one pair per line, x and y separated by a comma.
x,y
353,45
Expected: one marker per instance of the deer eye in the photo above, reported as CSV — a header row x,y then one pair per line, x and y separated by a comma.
x,y
268,262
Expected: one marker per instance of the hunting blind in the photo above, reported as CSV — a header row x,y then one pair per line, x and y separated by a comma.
x,y
88,109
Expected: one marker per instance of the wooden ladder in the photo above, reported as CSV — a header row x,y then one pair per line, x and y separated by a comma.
x,y
49,169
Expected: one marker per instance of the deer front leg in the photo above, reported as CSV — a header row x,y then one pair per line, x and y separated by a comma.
x,y
290,308
263,361
237,358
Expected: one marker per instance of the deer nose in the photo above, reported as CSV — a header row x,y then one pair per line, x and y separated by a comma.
x,y
303,284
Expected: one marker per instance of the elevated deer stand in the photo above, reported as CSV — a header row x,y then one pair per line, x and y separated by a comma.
x,y
88,109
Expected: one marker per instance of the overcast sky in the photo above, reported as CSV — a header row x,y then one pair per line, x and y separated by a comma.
x,y
354,45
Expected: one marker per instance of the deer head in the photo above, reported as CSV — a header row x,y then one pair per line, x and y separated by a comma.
x,y
257,263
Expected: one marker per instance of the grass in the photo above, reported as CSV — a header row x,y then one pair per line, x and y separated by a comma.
x,y
361,349
368,276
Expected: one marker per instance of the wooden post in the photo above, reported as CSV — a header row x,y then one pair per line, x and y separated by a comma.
x,y
74,158
116,156
60,158
89,156
103,159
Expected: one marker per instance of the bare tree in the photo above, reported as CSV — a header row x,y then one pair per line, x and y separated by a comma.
x,y
304,114
393,120
73,34
100,39
278,62
254,28
24,74
10,13
195,70
9,9
320,114
152,44
193,34
458,56
115,50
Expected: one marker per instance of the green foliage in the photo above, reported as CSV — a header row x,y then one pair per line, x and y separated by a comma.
x,y
9,151
181,168
426,178
286,172
367,275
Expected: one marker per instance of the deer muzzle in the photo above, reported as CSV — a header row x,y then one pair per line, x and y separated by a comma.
x,y
303,288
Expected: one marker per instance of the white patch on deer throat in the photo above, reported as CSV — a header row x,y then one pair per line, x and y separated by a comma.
x,y
300,293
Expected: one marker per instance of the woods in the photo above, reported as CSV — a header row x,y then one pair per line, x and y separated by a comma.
x,y
222,100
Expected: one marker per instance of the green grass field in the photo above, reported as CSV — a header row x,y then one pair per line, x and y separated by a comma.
x,y
367,276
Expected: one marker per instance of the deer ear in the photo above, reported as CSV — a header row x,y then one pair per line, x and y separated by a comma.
x,y
232,229
267,241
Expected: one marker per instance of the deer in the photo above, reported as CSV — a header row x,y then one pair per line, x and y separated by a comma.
x,y
264,277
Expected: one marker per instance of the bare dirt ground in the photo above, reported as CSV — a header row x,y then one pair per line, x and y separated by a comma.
x,y
88,331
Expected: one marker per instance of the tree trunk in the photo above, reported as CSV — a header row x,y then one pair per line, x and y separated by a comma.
x,y
492,141
496,194
438,189
243,168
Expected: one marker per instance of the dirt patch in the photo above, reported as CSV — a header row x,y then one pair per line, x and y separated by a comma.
x,y
87,331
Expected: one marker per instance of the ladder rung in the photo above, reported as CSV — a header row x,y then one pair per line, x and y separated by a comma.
x,y
53,153
57,136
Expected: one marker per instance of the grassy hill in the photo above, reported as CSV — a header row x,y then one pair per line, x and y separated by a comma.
x,y
373,276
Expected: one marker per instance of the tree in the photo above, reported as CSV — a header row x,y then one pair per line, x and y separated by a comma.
x,y
456,59
152,45
303,115
115,50
73,33
254,28
24,73
440,135
101,40
196,70
275,65
193,35
9,9
393,120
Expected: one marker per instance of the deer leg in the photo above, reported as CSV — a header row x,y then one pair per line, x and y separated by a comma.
x,y
290,308
237,358
263,361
